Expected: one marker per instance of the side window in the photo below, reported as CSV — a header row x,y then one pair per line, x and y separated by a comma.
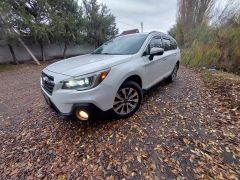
x,y
173,44
167,44
155,42
176,45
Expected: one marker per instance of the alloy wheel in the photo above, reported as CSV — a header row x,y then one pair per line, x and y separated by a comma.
x,y
126,101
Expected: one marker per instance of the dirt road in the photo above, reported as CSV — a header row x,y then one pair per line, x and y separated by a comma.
x,y
181,131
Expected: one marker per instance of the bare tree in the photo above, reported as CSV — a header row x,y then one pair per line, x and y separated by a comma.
x,y
228,15
192,13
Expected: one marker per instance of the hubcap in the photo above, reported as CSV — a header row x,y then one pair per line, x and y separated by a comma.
x,y
125,101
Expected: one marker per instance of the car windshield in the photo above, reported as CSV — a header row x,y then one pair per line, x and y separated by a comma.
x,y
122,45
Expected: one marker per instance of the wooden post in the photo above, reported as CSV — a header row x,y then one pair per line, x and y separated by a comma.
x,y
29,51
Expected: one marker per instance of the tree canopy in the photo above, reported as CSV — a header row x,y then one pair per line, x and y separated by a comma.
x,y
100,23
49,21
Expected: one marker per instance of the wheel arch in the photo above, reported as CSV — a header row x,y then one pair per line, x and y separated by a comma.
x,y
134,78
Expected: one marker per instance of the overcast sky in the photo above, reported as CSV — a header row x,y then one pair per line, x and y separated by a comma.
x,y
159,15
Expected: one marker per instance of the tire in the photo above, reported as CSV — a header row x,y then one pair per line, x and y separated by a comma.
x,y
127,100
173,75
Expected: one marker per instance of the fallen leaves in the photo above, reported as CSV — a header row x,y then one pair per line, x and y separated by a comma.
x,y
186,141
183,130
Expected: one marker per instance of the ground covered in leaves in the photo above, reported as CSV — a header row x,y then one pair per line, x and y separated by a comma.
x,y
184,130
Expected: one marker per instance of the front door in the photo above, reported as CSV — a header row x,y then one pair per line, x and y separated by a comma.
x,y
156,69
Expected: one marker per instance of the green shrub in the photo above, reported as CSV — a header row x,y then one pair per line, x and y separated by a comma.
x,y
214,47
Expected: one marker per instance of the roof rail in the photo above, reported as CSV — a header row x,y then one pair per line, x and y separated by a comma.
x,y
154,32
159,33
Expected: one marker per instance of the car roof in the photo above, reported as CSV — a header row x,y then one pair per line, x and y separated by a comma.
x,y
147,33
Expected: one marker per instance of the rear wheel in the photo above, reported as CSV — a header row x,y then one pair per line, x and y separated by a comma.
x,y
173,75
127,100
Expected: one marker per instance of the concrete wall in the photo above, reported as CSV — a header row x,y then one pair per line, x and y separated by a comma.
x,y
51,51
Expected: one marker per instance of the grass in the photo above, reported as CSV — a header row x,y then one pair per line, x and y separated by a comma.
x,y
227,76
209,76
6,67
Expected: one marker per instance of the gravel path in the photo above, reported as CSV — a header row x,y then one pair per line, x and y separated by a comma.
x,y
181,131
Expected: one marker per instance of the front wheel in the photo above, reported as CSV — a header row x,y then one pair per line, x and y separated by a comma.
x,y
127,100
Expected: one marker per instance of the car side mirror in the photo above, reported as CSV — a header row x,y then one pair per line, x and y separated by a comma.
x,y
156,52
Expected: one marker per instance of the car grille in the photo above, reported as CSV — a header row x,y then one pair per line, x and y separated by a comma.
x,y
47,83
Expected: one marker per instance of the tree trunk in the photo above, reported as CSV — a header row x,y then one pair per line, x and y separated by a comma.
x,y
13,54
65,49
42,51
29,51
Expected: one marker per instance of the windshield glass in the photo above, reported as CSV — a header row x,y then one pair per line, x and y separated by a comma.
x,y
122,45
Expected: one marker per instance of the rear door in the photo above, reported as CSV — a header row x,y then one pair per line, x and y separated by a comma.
x,y
171,53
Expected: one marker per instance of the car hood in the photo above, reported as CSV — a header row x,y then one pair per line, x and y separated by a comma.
x,y
85,64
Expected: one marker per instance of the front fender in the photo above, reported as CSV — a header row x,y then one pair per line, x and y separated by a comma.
x,y
120,73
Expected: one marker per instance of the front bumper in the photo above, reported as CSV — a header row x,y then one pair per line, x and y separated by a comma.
x,y
65,102
91,109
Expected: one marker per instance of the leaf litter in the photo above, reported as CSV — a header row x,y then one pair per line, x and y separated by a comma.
x,y
185,130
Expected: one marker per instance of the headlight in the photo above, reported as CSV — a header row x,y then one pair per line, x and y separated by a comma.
x,y
87,82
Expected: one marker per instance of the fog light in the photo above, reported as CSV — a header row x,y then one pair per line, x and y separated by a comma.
x,y
82,115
